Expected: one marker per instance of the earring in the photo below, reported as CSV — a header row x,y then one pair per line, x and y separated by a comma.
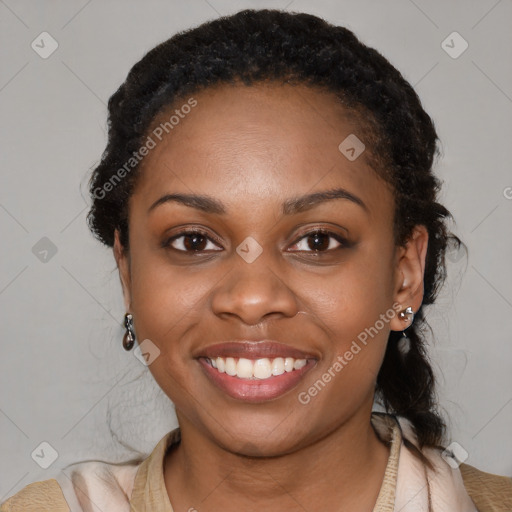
x,y
404,343
129,335
407,314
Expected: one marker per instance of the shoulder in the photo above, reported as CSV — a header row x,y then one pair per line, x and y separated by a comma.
x,y
76,488
91,484
37,497
491,493
488,492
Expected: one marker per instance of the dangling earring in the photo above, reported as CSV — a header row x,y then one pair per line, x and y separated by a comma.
x,y
404,343
129,335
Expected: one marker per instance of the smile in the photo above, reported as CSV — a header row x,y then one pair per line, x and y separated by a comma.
x,y
255,380
264,368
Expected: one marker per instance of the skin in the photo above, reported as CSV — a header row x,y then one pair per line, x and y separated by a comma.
x,y
253,148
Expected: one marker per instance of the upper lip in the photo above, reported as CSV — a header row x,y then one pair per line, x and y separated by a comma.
x,y
253,350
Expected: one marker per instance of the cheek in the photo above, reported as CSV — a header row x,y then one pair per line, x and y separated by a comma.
x,y
167,303
166,299
354,305
356,320
352,297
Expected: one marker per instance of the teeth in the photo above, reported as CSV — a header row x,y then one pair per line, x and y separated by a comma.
x,y
262,368
288,364
278,366
256,369
230,366
244,368
299,363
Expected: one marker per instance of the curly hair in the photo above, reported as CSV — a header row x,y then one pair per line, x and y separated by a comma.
x,y
254,46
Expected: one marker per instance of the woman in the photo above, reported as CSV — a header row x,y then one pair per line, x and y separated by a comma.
x,y
267,190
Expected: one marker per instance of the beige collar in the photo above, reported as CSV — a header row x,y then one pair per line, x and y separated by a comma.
x,y
150,494
149,491
408,485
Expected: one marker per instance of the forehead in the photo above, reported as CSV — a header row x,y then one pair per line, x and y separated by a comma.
x,y
258,143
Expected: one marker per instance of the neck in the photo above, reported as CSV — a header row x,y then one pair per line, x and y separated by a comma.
x,y
343,469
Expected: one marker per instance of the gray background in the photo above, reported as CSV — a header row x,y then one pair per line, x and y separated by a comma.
x,y
62,366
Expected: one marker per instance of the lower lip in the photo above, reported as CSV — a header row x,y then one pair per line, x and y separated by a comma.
x,y
255,390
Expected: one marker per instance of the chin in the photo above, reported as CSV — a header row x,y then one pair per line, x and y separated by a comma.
x,y
261,435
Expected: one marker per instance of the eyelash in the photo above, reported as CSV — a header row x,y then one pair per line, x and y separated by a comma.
x,y
342,241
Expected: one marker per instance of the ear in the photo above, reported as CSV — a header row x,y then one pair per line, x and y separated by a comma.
x,y
409,272
122,258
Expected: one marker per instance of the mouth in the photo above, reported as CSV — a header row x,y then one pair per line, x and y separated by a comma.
x,y
255,371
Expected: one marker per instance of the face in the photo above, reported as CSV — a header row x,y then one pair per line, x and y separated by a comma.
x,y
261,256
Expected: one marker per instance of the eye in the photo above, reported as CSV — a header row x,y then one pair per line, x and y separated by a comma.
x,y
191,241
196,241
320,241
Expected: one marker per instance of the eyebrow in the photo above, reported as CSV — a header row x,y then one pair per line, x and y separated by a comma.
x,y
291,206
304,203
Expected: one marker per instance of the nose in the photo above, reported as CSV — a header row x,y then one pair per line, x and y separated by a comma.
x,y
253,292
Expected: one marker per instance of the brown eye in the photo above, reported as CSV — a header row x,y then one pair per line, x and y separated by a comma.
x,y
191,241
194,242
320,241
